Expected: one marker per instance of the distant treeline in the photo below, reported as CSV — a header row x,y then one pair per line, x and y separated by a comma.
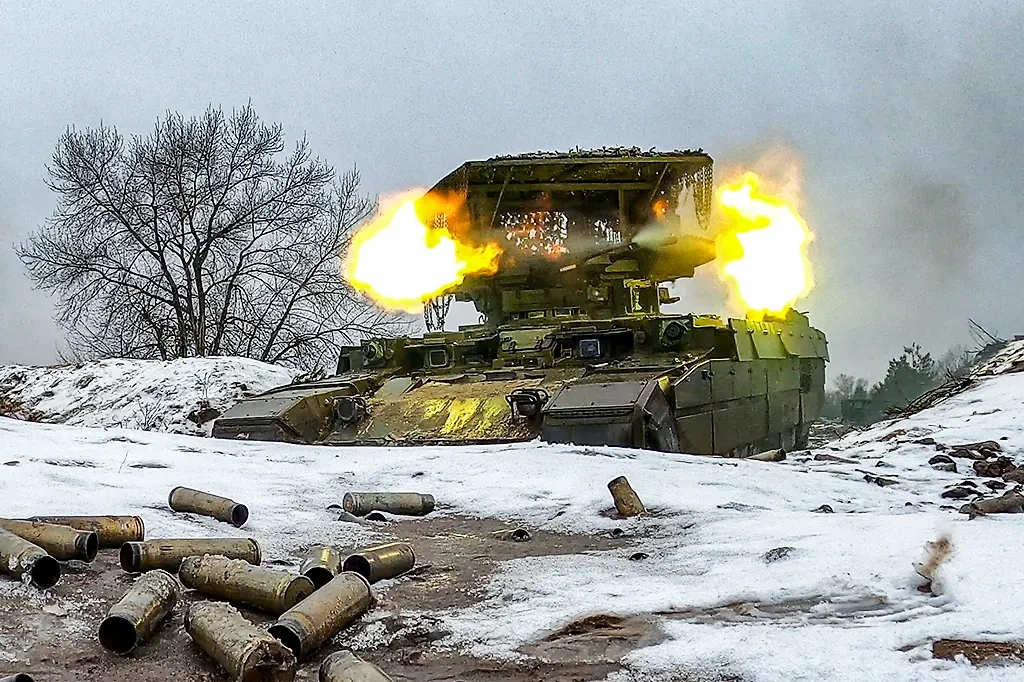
x,y
909,375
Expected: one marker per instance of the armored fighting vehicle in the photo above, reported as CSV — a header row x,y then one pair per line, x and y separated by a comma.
x,y
572,345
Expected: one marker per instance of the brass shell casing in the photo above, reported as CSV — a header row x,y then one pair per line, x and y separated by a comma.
x,y
60,542
381,562
403,504
223,509
345,666
627,502
139,612
19,556
168,554
246,652
321,564
314,620
111,531
236,581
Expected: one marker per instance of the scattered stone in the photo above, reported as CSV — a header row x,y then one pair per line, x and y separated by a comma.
x,y
977,652
1010,502
983,445
12,463
884,464
777,553
825,509
966,454
994,468
959,493
994,485
1014,476
824,457
880,481
968,482
925,441
950,467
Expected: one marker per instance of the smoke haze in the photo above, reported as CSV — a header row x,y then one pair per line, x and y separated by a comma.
x,y
908,122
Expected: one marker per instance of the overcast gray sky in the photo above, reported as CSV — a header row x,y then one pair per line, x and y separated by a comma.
x,y
909,118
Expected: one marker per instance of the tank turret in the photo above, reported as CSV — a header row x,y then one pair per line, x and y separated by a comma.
x,y
573,345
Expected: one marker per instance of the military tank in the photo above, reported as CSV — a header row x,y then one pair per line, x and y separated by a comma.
x,y
572,345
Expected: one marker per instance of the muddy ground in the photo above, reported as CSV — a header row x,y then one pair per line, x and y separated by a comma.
x,y
53,636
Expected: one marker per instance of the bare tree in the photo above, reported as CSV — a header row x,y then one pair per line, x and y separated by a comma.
x,y
201,238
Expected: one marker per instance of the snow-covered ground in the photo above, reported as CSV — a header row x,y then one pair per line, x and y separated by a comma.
x,y
149,395
842,604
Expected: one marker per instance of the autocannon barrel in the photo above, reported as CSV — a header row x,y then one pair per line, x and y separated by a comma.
x,y
19,556
321,564
246,652
111,531
169,553
60,542
223,509
138,613
404,504
381,562
345,666
314,620
235,580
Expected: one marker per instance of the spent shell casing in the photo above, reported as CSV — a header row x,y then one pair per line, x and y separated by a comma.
x,y
18,556
236,581
168,554
246,652
139,612
20,677
307,625
403,504
345,666
321,564
223,509
381,562
111,531
60,542
513,534
627,502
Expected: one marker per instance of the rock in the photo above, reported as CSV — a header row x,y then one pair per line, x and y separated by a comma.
x,y
824,457
943,463
950,467
203,414
1014,476
994,485
638,556
963,453
12,463
777,553
994,468
959,493
825,509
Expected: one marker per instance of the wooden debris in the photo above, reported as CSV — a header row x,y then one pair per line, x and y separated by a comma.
x,y
978,652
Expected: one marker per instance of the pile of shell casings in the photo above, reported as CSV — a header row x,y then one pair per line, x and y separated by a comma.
x,y
330,592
